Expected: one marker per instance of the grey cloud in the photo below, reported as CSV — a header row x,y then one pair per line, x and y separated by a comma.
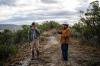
x,y
49,1
63,13
7,2
21,18
47,12
40,16
83,5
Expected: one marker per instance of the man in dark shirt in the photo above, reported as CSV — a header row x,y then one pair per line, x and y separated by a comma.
x,y
34,40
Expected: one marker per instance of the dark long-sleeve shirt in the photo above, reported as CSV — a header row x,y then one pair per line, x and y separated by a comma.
x,y
33,34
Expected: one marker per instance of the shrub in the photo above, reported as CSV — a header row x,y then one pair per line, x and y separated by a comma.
x,y
6,51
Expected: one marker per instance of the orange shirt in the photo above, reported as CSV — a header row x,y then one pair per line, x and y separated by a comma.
x,y
65,35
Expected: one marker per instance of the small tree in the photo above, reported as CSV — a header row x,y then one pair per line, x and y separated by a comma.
x,y
91,20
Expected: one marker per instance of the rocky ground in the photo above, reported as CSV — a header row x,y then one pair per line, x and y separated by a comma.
x,y
50,54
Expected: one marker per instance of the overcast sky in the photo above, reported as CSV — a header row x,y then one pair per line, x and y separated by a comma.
x,y
28,11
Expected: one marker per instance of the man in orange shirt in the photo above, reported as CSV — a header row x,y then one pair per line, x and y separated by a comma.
x,y
65,39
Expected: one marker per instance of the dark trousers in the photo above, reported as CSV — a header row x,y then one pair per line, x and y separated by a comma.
x,y
64,48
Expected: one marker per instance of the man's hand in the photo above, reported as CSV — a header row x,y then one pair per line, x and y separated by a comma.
x,y
59,32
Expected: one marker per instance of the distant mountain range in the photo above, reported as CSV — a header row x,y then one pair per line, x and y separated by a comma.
x,y
11,27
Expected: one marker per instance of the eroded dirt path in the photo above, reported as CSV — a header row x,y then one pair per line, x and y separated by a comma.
x,y
50,54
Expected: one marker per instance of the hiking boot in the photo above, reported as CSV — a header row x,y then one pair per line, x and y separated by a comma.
x,y
33,58
37,53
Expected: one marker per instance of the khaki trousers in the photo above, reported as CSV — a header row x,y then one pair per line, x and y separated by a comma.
x,y
35,47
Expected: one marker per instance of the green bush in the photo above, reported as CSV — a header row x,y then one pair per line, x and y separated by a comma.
x,y
6,51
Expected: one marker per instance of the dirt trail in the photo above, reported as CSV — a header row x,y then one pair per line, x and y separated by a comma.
x,y
50,54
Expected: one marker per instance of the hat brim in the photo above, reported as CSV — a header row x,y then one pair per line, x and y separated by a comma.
x,y
65,24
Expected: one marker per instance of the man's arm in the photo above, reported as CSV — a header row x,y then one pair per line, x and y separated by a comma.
x,y
38,33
